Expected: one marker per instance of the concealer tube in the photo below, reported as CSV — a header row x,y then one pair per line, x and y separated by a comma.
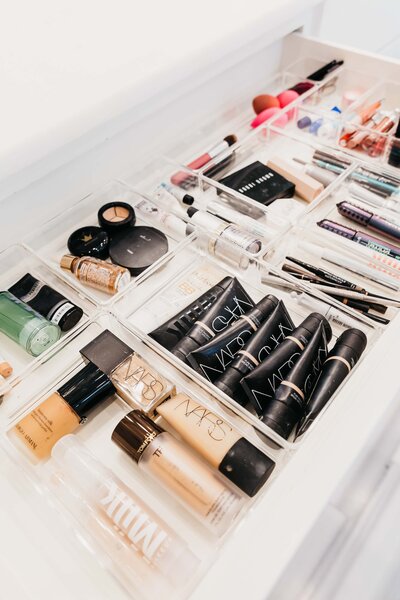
x,y
122,511
5,367
340,361
213,358
307,187
287,406
264,341
232,304
61,413
173,330
178,470
261,384
221,445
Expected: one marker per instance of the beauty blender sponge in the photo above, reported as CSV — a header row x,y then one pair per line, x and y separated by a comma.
x,y
268,113
263,102
287,97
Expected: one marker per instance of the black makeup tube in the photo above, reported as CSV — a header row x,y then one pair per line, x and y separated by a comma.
x,y
47,302
271,333
232,304
340,361
169,333
212,359
261,384
287,406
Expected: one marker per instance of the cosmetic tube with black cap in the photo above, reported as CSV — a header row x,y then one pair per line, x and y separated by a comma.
x,y
264,341
340,361
232,304
213,358
261,384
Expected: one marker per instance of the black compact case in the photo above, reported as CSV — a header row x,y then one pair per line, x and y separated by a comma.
x,y
259,182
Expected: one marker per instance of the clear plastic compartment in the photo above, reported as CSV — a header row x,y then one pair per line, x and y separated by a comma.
x,y
16,262
192,271
288,156
85,512
154,181
50,242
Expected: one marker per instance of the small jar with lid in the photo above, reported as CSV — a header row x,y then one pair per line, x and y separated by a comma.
x,y
97,273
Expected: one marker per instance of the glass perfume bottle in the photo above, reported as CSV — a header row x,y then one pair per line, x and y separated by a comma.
x,y
179,470
26,326
61,413
97,273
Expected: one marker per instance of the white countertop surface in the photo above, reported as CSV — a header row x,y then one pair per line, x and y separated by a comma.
x,y
67,67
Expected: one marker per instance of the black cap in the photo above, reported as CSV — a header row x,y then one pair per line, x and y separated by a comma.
x,y
134,433
313,320
354,339
184,347
116,216
283,414
106,351
89,241
191,211
246,466
86,389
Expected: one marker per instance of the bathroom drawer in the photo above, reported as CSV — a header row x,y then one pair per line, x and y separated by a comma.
x,y
269,535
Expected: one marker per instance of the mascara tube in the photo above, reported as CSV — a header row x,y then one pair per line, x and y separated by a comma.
x,y
340,361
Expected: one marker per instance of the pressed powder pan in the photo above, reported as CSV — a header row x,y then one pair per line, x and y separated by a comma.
x,y
138,248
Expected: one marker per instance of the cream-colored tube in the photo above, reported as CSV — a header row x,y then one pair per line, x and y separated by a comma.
x,y
307,187
219,443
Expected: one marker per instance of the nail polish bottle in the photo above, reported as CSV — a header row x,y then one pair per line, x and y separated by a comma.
x,y
121,510
97,273
176,468
61,412
25,326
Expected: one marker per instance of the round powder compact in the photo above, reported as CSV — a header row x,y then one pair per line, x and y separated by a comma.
x,y
89,241
116,216
138,248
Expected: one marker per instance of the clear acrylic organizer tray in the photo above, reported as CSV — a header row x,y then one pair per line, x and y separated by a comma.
x,y
95,433
209,196
50,242
268,143
190,271
15,262
235,118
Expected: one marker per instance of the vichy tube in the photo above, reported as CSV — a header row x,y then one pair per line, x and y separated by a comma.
x,y
169,333
213,358
231,305
221,445
261,384
285,409
178,470
340,361
264,341
120,509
